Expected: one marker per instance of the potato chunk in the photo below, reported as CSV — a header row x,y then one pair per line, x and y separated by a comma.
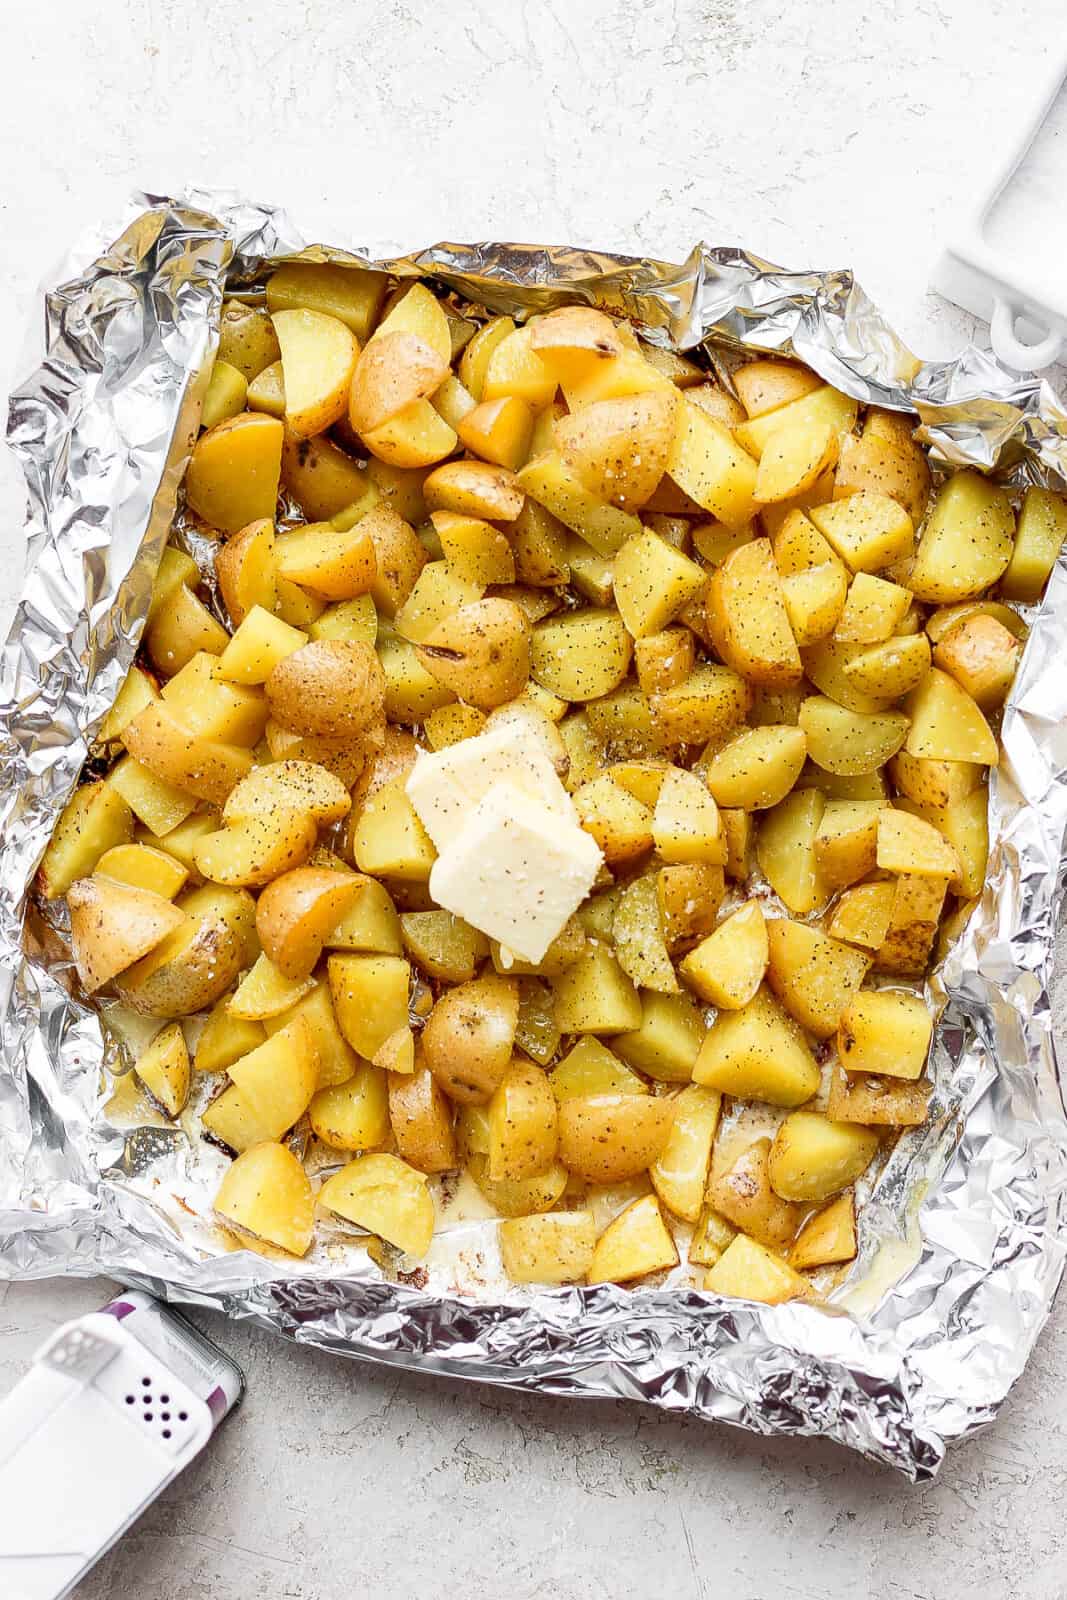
x,y
747,1270
813,1158
727,968
607,1138
758,1052
747,617
557,1248
885,1032
232,478
967,542
813,976
385,1196
636,1243
266,1197
653,582
744,1196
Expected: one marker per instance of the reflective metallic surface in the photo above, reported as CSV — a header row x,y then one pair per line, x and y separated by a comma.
x,y
961,1241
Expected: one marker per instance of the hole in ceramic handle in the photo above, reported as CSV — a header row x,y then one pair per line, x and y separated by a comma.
x,y
1011,350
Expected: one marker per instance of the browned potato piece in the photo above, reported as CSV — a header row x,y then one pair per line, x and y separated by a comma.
x,y
878,1102
475,489
247,339
571,341
522,1118
689,896
982,656
112,925
297,912
747,617
607,1138
232,477
392,371
244,566
744,1196
469,1037
332,687
813,976
620,448
421,1119
481,652
189,970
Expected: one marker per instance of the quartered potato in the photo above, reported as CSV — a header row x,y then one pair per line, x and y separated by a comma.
x,y
573,738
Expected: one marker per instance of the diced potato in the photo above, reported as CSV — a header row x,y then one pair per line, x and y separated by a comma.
x,y
112,925
822,404
794,458
868,531
727,968
850,743
621,825
885,1032
982,656
967,542
747,1270
813,976
708,463
933,783
828,1238
638,936
873,610
537,1033
410,692
846,841
785,850
743,1194
557,1248
143,867
159,805
595,995
664,659
354,619
909,844
814,600
758,1052
913,923
387,838
256,849
387,1197
336,563
607,1138
232,477
892,668
352,294
416,436
767,385
877,1101
623,724
163,1069
474,549
447,725
1039,539
370,998
756,768
95,820
862,915
224,1039
549,481
685,823
572,341
539,545
710,1238
643,778
740,831
266,392
189,969
582,655
182,626
275,1081
319,355
205,767
627,373
321,477
714,541
680,1172
895,467
443,945
590,1068
667,1042
353,1115
965,825
266,1197
747,617
266,991
138,690
825,664
336,1060
469,1037
689,896
259,643
636,1243
247,339
653,582
709,703
619,448
813,1158
563,951
522,1116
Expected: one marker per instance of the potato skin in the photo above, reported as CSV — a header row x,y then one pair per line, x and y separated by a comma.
x,y
332,687
606,1138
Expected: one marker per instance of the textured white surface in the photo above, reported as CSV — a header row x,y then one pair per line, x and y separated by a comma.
x,y
822,132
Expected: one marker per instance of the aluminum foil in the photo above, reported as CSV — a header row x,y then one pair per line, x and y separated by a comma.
x,y
962,1241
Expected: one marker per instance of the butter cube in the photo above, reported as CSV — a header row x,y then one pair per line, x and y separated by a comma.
x,y
445,786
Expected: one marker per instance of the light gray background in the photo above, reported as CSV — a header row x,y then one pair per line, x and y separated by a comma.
x,y
819,133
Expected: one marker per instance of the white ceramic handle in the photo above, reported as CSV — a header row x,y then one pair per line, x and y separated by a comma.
x,y
1010,349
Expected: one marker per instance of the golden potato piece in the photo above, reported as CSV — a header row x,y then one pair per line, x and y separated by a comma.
x,y
689,895
862,915
329,686
523,1118
685,823
822,404
227,390
319,356
321,478
334,563
557,1248
251,852
814,600
946,725
982,656
892,668
189,969
933,783
619,449
385,1196
582,655
747,1270
877,1101
747,617
828,1238
266,992
664,659
474,550
142,866
590,1068
207,768
743,1194
967,542
163,1069
785,850
705,706
758,1052
846,840
113,925
850,743
793,459
1039,538
417,436
573,340
266,1196
498,430
813,1158
224,1038
709,464
679,1173
297,912
757,767
370,994
393,370
266,392
353,1115
277,1080
247,339
232,477
607,1138
638,934
887,1033
481,652
653,582
813,976
95,819
469,1037
873,611
888,465
636,1243
548,480
420,1114
727,968
443,945
767,385
289,786
352,294
910,844
868,531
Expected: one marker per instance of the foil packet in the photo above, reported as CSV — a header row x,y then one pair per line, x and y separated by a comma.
x,y
961,1238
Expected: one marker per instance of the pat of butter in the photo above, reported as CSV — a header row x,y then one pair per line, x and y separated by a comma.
x,y
445,786
517,870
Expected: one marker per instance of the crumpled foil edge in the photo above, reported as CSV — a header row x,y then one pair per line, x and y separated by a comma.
x,y
962,1243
